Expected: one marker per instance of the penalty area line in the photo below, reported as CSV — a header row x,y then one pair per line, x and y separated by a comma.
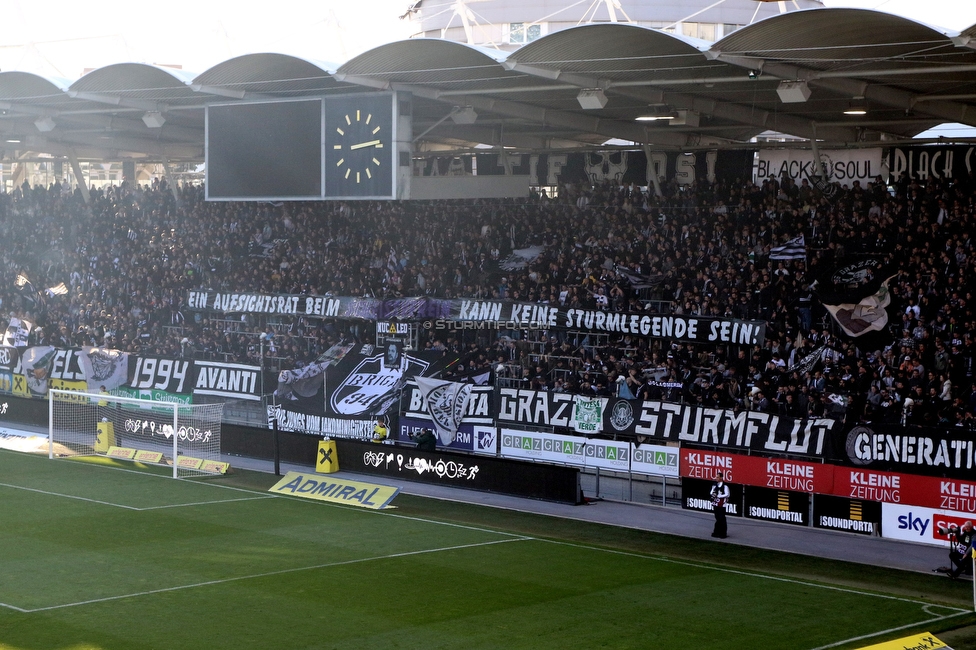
x,y
16,609
268,574
68,496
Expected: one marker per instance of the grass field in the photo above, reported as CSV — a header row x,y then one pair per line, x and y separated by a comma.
x,y
98,555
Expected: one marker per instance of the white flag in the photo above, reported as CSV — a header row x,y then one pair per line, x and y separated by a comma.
x,y
17,332
446,402
57,290
794,249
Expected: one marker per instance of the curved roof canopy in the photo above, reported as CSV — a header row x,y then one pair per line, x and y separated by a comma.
x,y
796,73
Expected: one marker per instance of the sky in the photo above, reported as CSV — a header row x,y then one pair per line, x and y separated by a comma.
x,y
951,14
65,38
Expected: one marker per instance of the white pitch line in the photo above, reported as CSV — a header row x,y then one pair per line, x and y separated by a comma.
x,y
515,537
169,477
269,574
16,609
289,497
206,503
386,513
889,630
137,509
67,496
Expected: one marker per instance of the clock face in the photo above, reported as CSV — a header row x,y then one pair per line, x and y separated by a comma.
x,y
359,146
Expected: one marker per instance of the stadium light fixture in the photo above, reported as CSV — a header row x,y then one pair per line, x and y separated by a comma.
x,y
45,124
154,119
793,92
591,99
657,113
464,115
857,107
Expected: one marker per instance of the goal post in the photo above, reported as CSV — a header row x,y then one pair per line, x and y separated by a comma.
x,y
164,433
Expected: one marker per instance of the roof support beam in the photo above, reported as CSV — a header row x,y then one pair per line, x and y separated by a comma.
x,y
563,119
116,100
947,110
723,110
79,177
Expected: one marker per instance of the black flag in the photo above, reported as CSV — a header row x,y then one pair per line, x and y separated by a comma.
x,y
857,296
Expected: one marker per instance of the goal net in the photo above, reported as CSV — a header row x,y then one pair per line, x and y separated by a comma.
x,y
187,437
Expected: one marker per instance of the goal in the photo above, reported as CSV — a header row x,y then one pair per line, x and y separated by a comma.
x,y
182,435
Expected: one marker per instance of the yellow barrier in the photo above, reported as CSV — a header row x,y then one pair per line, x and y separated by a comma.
x,y
105,437
327,460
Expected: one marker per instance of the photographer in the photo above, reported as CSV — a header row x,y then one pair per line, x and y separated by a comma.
x,y
960,547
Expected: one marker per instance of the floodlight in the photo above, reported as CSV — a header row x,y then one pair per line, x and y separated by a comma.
x,y
591,99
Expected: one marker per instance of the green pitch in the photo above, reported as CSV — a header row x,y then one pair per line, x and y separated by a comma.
x,y
98,555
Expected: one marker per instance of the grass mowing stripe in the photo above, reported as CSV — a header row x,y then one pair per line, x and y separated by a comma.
x,y
82,463
268,574
450,524
935,615
119,505
67,496
517,537
765,576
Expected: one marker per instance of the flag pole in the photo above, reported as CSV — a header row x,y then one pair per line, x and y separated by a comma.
x,y
972,554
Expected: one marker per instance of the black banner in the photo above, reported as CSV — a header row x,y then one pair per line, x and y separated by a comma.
x,y
513,315
848,515
473,472
595,167
777,505
653,421
929,451
926,162
157,373
294,418
368,382
9,357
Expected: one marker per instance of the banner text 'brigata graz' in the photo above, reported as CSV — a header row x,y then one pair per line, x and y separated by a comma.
x,y
663,421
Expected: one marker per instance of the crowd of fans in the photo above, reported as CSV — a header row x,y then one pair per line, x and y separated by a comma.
x,y
129,257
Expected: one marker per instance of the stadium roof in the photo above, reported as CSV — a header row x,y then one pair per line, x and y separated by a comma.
x,y
796,73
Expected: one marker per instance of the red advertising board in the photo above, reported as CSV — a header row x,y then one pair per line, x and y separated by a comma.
x,y
908,489
848,482
779,474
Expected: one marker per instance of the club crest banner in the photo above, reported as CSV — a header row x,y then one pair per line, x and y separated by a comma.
x,y
447,404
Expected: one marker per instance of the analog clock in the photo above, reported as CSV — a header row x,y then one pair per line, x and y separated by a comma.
x,y
359,146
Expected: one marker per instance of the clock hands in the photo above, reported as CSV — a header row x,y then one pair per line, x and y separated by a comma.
x,y
363,145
